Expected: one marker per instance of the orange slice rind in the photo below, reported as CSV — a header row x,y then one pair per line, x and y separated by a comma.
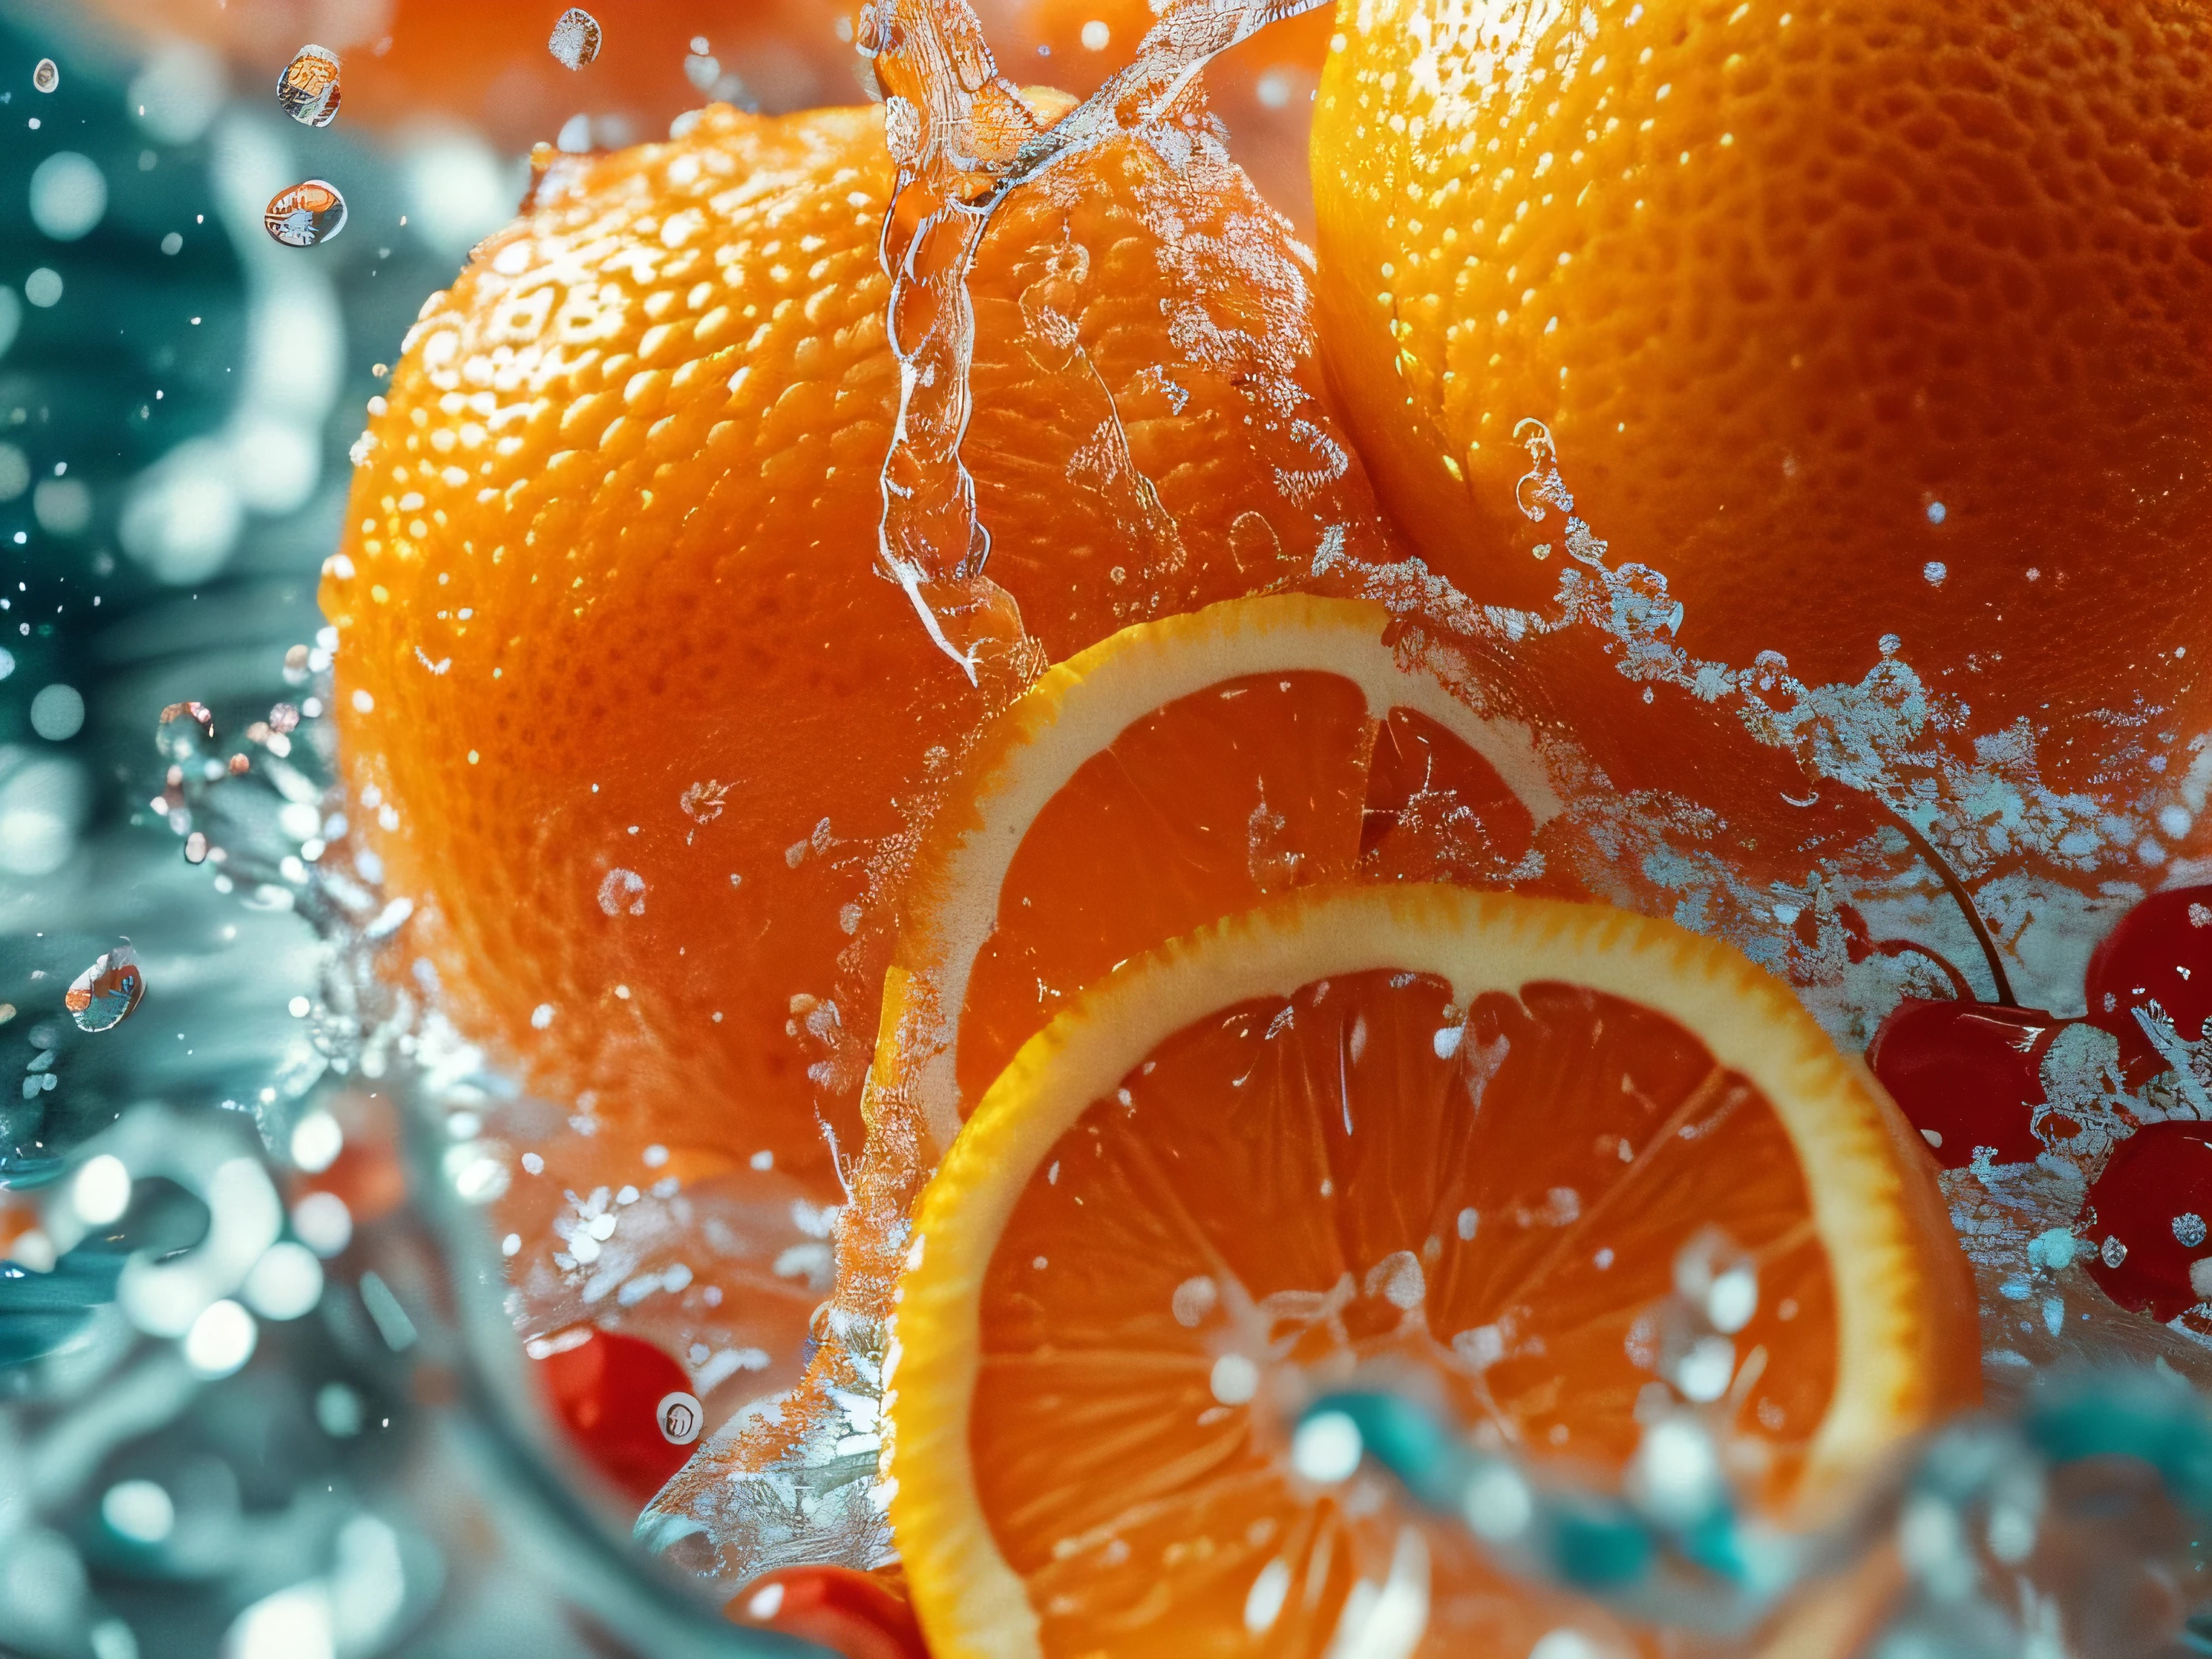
x,y
1075,713
1008,1512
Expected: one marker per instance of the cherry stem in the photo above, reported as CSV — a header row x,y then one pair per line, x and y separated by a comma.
x,y
1956,890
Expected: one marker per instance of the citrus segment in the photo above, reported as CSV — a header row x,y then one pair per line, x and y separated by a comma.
x,y
1493,1150
1172,774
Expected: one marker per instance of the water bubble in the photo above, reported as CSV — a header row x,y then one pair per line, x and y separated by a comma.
x,y
324,1224
140,1511
338,1411
176,96
285,1283
622,890
57,712
197,712
317,1141
680,1418
309,213
1192,1300
1677,1470
47,75
221,1340
69,195
101,1192
575,39
1704,1373
1234,1379
103,996
1327,1448
1497,1504
43,287
308,90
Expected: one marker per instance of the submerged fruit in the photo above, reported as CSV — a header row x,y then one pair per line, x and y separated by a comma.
x,y
2147,1219
1854,320
2157,960
851,1613
1500,1149
1967,1075
626,707
626,1405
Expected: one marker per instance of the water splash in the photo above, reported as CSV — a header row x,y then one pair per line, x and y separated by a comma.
x,y
962,138
308,214
308,90
105,994
575,40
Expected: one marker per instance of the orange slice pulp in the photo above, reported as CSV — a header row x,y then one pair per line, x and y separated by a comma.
x,y
1178,772
1458,1143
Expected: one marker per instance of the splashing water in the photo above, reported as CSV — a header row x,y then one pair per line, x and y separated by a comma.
x,y
575,40
47,75
962,139
308,90
103,996
306,216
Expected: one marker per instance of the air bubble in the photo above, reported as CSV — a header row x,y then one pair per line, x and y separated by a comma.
x,y
308,214
575,39
680,1417
47,75
1327,1448
308,90
103,995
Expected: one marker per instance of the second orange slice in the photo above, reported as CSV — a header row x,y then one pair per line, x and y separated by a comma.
x,y
1176,772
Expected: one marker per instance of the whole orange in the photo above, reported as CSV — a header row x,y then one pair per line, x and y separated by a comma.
x,y
1854,319
623,702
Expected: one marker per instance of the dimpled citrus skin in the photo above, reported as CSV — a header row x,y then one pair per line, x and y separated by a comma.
x,y
613,538
1815,299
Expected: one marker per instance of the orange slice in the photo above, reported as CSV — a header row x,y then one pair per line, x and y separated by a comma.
x,y
1459,1143
1178,772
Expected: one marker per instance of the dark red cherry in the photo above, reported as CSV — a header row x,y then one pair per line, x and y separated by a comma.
x,y
2147,1217
613,1395
853,1613
1966,1074
2161,952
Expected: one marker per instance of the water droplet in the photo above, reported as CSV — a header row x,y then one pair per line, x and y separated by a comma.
x,y
622,890
103,996
1327,1448
575,40
47,75
195,711
308,90
679,1416
310,212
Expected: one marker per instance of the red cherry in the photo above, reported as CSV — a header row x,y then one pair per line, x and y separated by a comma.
x,y
851,1612
607,1389
2148,1213
2162,950
1966,1074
